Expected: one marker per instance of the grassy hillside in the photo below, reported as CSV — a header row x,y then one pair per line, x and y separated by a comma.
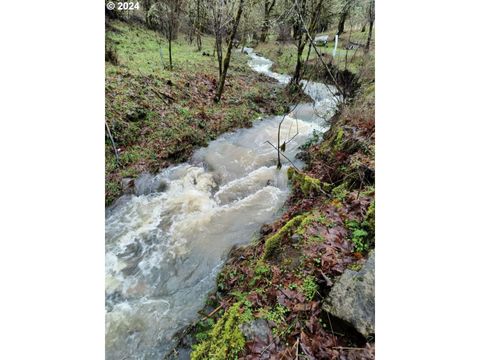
x,y
158,116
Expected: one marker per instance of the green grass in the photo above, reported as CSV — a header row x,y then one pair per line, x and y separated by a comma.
x,y
146,51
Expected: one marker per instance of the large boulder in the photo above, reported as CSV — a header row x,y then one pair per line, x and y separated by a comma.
x,y
352,298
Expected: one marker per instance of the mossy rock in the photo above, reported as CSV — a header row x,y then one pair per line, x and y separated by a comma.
x,y
273,242
307,184
338,139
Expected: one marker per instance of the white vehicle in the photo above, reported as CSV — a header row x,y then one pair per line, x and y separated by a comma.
x,y
321,39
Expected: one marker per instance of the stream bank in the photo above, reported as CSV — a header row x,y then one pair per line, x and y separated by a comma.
x,y
269,301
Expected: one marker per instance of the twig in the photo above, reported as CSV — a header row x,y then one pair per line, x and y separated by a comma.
x,y
265,349
115,150
290,161
213,312
296,345
331,329
160,94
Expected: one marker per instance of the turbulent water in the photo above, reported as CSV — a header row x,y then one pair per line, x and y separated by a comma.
x,y
166,244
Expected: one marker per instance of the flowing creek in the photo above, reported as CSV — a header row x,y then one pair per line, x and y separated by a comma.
x,y
166,244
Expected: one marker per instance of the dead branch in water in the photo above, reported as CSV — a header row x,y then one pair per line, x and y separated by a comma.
x,y
290,161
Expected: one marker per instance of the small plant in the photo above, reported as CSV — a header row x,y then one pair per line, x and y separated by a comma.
x,y
310,288
185,112
203,328
359,236
277,315
247,314
261,269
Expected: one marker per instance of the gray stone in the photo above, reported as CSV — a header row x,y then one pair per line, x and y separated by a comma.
x,y
352,298
256,329
128,185
296,238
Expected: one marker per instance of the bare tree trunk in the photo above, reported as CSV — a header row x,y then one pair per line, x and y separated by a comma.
x,y
285,32
199,41
266,20
347,7
219,51
371,19
147,8
226,62
170,49
341,23
297,75
302,39
369,39
198,28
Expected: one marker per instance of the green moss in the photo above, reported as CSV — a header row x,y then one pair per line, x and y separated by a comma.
x,y
368,191
338,139
369,222
307,220
312,218
296,225
273,242
355,267
225,340
306,183
340,192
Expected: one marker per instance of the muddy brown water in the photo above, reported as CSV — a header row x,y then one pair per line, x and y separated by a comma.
x,y
166,244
